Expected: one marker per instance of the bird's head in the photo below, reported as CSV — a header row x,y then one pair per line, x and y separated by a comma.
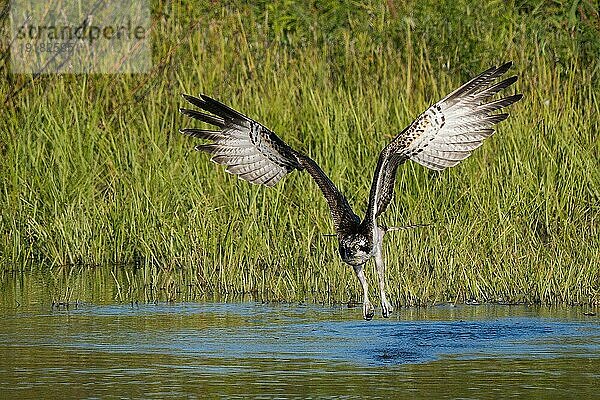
x,y
355,249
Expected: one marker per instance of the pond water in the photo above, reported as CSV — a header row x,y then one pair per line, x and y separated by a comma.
x,y
249,349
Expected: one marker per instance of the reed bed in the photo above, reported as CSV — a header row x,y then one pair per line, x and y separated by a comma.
x,y
95,175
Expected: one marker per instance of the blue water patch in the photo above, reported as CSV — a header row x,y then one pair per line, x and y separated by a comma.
x,y
253,331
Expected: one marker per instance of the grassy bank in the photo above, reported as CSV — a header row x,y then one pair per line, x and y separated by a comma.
x,y
94,173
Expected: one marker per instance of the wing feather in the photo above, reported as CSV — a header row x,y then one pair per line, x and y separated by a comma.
x,y
255,154
240,169
240,142
209,119
445,134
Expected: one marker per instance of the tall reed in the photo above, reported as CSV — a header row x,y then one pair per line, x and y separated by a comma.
x,y
95,174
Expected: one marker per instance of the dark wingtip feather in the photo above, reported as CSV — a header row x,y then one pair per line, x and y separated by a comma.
x,y
487,71
511,80
504,102
500,117
220,109
207,148
500,86
193,100
189,113
507,101
504,67
210,119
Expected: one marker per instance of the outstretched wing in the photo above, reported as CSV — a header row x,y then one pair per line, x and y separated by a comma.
x,y
445,134
257,155
247,148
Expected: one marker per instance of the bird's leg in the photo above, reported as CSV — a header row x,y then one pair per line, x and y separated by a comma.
x,y
368,310
386,307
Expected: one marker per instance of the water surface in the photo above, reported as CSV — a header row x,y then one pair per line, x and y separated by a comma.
x,y
241,349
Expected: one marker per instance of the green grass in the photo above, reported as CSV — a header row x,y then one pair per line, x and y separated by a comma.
x,y
94,173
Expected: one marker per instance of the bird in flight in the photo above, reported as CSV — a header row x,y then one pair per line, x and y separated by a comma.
x,y
442,136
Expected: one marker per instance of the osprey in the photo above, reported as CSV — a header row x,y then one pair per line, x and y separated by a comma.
x,y
445,134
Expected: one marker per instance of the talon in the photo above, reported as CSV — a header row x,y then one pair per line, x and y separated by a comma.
x,y
386,313
368,311
386,309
